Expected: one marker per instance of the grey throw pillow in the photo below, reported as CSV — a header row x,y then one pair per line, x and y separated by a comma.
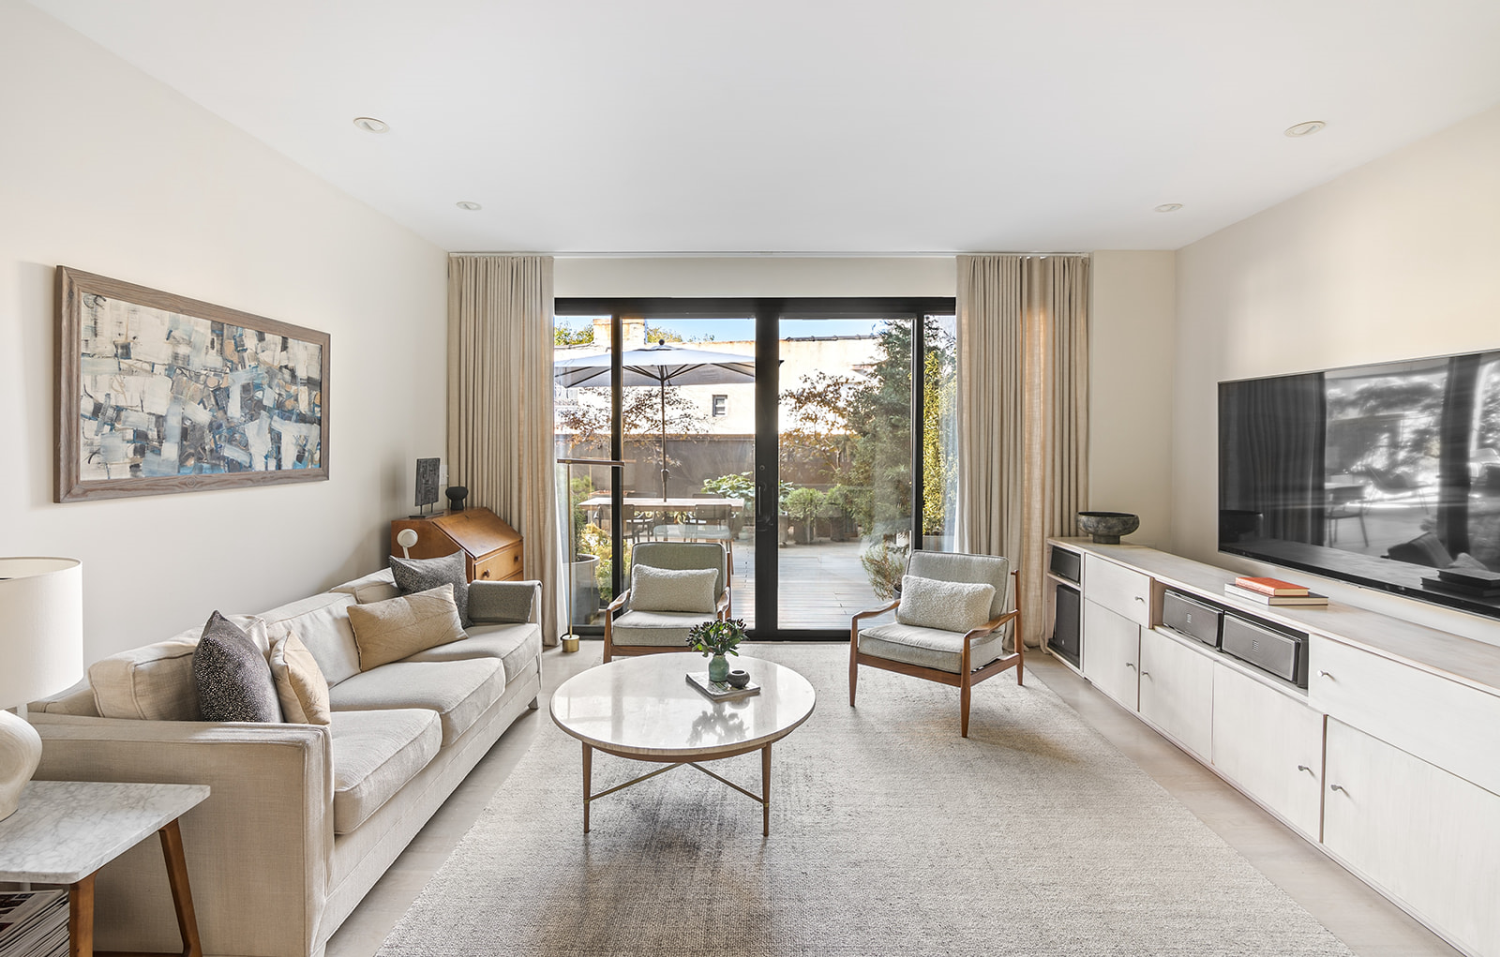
x,y
425,574
233,677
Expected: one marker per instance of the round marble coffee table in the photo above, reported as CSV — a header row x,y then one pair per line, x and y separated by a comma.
x,y
644,709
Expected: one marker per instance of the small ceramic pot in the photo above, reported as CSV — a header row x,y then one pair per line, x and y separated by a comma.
x,y
738,678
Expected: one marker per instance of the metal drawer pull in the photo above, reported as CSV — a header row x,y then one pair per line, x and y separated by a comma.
x,y
1328,675
1130,664
1303,767
1140,599
1336,787
1145,674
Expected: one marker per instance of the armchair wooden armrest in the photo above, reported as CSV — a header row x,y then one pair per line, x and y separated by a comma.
x,y
871,613
618,603
991,625
721,610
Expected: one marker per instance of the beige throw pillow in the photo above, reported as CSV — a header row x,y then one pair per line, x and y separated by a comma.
x,y
299,683
397,628
946,606
668,589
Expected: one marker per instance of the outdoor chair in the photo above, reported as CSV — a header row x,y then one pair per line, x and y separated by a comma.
x,y
949,627
662,605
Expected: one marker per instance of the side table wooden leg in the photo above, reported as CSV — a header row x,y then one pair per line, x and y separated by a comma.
x,y
588,783
182,892
765,790
81,918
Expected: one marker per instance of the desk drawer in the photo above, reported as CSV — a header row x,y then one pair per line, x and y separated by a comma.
x,y
1446,723
501,565
1122,590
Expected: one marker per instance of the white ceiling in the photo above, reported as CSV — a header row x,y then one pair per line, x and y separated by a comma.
x,y
817,125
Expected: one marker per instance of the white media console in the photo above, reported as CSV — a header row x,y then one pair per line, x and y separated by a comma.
x,y
1389,760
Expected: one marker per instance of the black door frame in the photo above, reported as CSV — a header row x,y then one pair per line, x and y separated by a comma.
x,y
767,313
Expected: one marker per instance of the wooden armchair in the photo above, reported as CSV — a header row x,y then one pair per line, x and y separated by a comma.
x,y
649,630
961,659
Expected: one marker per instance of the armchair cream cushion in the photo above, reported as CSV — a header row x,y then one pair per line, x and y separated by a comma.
x,y
669,589
944,605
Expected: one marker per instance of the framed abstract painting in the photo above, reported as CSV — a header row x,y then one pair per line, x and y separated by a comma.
x,y
158,393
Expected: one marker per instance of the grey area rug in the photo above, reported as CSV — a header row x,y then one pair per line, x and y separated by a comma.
x,y
890,834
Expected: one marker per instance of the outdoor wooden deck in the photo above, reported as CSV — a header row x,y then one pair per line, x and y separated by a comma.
x,y
822,585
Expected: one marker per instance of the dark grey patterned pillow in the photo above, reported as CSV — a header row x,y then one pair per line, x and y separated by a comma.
x,y
233,677
424,574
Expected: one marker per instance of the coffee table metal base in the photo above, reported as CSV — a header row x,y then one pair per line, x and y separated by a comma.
x,y
763,798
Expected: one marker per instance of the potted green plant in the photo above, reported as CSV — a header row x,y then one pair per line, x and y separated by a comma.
x,y
717,639
803,505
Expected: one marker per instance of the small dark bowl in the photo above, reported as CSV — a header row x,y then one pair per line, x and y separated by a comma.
x,y
1107,527
738,678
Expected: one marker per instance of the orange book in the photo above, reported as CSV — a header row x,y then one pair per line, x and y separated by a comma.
x,y
1271,586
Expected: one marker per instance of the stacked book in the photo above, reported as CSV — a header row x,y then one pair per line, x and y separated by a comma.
x,y
33,924
1272,591
1465,582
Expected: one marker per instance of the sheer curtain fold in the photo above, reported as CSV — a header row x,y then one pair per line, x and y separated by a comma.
x,y
1022,411
500,420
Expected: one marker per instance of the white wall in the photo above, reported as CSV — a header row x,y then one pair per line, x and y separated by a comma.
x,y
106,170
1131,347
1395,260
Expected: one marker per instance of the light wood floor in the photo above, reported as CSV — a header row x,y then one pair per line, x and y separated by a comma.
x,y
1368,924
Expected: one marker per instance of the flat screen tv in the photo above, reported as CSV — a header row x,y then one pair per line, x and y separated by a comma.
x,y
1385,475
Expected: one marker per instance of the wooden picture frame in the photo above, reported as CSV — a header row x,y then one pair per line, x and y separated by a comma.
x,y
158,393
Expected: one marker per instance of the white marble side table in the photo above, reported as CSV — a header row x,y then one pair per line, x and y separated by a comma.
x,y
64,831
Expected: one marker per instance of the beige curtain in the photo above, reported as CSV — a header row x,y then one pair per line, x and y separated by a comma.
x,y
500,425
1022,410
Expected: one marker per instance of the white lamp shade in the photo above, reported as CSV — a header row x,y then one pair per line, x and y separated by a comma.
x,y
41,627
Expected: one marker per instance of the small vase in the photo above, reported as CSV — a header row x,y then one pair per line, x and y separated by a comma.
x,y
718,668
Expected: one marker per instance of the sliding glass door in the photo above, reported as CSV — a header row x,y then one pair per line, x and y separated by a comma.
x,y
806,436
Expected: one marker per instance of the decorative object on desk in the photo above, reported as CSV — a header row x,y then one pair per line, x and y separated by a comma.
x,y
1107,527
1274,587
427,485
721,690
456,495
1234,591
717,638
41,644
738,678
406,538
159,393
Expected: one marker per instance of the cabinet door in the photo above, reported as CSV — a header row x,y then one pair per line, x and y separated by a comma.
x,y
1424,836
1111,653
1270,745
1177,690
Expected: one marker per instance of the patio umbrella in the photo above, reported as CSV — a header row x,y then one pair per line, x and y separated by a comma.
x,y
660,365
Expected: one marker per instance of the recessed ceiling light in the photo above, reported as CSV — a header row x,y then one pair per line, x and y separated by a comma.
x,y
471,207
371,125
1168,207
1305,129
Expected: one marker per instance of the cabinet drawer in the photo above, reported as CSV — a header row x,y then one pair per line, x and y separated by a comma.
x,y
1111,653
1452,725
1270,745
499,566
1177,690
1424,836
1121,590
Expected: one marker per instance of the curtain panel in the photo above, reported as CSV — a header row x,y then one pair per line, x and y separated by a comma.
x,y
1022,411
500,420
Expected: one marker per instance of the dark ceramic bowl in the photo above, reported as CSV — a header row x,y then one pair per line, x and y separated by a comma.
x,y
738,678
1107,527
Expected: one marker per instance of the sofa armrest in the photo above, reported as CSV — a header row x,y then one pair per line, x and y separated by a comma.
x,y
503,602
258,849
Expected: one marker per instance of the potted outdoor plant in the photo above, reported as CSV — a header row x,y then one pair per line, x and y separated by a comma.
x,y
717,639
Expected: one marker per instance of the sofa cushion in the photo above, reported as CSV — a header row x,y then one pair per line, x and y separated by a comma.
x,y
375,753
376,586
459,691
414,575
501,602
659,628
517,647
234,680
927,647
299,684
397,628
155,683
944,605
672,589
322,622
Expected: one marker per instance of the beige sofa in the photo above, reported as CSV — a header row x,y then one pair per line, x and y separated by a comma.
x,y
303,819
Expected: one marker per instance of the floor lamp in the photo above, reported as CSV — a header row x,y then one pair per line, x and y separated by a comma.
x,y
41,652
